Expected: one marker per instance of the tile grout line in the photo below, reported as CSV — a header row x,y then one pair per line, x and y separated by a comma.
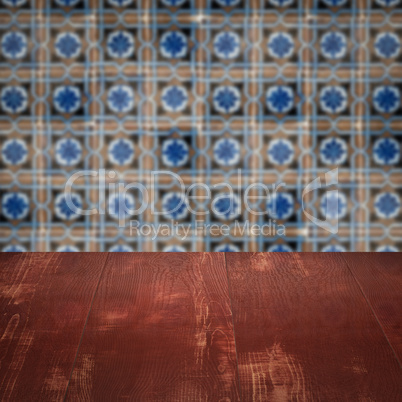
x,y
85,324
372,311
233,325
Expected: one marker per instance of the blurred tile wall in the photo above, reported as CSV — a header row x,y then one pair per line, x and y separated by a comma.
x,y
278,93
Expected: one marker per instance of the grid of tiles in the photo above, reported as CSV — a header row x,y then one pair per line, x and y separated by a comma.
x,y
214,91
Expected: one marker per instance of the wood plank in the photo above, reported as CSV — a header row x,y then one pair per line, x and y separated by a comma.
x,y
305,332
380,278
45,299
160,329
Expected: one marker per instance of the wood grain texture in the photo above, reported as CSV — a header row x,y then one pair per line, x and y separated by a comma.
x,y
305,332
160,329
380,278
44,301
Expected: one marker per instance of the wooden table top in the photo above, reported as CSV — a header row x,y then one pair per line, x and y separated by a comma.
x,y
201,326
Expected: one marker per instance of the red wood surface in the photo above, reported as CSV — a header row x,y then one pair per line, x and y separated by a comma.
x,y
160,326
380,278
44,301
160,329
304,331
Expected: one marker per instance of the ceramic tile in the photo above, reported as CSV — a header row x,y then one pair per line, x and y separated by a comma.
x,y
272,92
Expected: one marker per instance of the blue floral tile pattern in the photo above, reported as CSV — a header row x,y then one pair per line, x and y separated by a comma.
x,y
14,45
386,151
280,248
281,205
173,45
14,99
121,206
14,3
333,99
227,99
120,44
227,248
14,152
387,205
120,98
226,206
174,206
15,206
67,209
280,99
334,45
387,99
280,152
280,45
227,45
333,205
68,151
227,152
67,45
15,248
119,117
121,152
175,152
174,98
333,151
387,45
120,3
67,99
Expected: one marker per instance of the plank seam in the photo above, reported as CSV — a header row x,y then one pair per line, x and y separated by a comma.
x,y
372,310
85,324
233,326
